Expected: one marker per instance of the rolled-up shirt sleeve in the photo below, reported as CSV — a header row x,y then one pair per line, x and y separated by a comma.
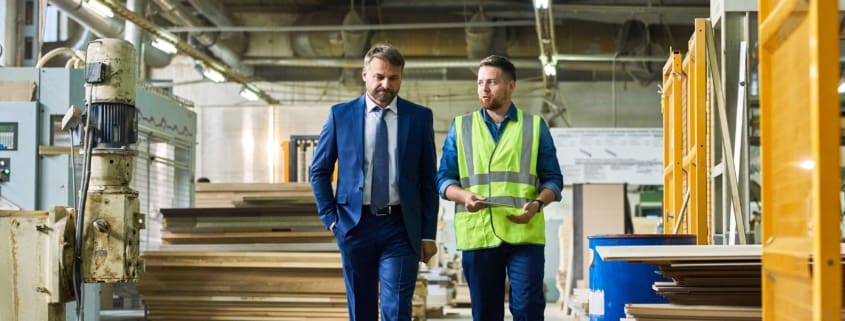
x,y
548,168
448,174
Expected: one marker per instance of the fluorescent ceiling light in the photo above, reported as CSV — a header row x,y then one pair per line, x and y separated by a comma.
x,y
213,75
248,94
101,8
541,4
164,45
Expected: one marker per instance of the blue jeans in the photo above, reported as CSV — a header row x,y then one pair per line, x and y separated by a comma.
x,y
377,252
485,273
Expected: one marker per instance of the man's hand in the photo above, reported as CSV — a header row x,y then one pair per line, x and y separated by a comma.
x,y
427,249
471,202
528,211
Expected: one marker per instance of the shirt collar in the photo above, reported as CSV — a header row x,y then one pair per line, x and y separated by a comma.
x,y
371,104
510,115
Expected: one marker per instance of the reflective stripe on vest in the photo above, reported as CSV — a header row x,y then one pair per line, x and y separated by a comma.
x,y
505,173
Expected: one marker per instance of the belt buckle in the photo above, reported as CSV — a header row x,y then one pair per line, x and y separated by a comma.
x,y
383,211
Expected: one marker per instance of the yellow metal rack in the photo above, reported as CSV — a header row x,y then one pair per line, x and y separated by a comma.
x,y
686,148
799,122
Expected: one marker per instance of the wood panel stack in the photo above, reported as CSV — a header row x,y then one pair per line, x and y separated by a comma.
x,y
179,285
249,252
232,194
710,282
418,305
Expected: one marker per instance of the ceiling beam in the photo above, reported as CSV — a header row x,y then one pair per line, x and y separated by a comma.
x,y
367,27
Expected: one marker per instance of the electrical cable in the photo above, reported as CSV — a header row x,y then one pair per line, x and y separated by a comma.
x,y
72,169
86,177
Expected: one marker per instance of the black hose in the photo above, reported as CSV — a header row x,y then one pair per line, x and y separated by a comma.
x,y
80,218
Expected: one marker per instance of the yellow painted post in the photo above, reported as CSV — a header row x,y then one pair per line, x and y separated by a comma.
x,y
696,130
286,167
672,150
799,114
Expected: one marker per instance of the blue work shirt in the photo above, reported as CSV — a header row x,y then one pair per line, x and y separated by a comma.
x,y
548,168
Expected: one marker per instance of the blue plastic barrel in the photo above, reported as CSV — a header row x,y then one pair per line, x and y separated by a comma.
x,y
616,283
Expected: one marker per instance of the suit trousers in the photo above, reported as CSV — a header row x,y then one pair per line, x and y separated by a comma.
x,y
378,263
485,271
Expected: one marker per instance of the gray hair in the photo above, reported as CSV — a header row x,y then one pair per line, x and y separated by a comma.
x,y
387,53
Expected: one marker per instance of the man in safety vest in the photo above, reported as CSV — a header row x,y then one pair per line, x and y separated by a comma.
x,y
500,167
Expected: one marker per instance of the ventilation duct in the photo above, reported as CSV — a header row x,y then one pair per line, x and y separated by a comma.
x,y
354,46
634,40
214,12
105,27
176,13
479,39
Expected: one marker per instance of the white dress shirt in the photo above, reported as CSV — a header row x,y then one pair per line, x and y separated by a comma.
x,y
371,119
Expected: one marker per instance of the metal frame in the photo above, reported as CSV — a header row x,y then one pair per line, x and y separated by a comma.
x,y
799,49
298,141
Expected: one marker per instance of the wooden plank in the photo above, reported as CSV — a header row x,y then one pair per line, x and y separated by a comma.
x,y
662,253
17,90
242,259
254,187
247,237
697,312
289,210
4,213
286,247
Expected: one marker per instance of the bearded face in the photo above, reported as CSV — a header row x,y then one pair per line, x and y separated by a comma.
x,y
383,81
494,91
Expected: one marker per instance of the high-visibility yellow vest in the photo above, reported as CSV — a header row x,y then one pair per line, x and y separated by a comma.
x,y
504,172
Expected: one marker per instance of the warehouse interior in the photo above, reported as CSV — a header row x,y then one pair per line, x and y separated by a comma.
x,y
707,129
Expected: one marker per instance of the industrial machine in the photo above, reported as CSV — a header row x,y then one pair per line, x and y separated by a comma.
x,y
68,229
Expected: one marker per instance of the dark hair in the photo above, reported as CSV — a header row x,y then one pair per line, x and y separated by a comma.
x,y
502,63
386,52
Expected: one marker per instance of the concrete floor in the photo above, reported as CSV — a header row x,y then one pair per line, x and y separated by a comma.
x,y
553,313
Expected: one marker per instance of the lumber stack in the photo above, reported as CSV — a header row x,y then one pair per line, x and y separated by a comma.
x,y
180,285
248,252
710,282
418,304
256,194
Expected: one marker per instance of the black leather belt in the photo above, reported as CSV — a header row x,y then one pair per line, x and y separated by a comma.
x,y
387,210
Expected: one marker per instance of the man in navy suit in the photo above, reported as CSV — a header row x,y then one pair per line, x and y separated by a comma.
x,y
384,211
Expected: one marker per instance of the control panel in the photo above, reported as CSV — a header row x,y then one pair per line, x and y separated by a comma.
x,y
8,136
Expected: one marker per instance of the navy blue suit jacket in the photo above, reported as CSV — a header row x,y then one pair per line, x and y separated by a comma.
x,y
342,140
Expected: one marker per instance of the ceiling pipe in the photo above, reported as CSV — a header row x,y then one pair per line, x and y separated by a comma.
x,y
105,27
366,27
584,62
188,50
214,12
134,34
177,14
85,14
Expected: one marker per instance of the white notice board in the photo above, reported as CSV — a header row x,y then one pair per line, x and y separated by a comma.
x,y
610,155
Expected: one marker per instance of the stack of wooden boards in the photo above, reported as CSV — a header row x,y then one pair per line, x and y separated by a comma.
x,y
249,252
711,282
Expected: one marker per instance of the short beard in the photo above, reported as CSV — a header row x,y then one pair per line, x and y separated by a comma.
x,y
493,105
383,96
